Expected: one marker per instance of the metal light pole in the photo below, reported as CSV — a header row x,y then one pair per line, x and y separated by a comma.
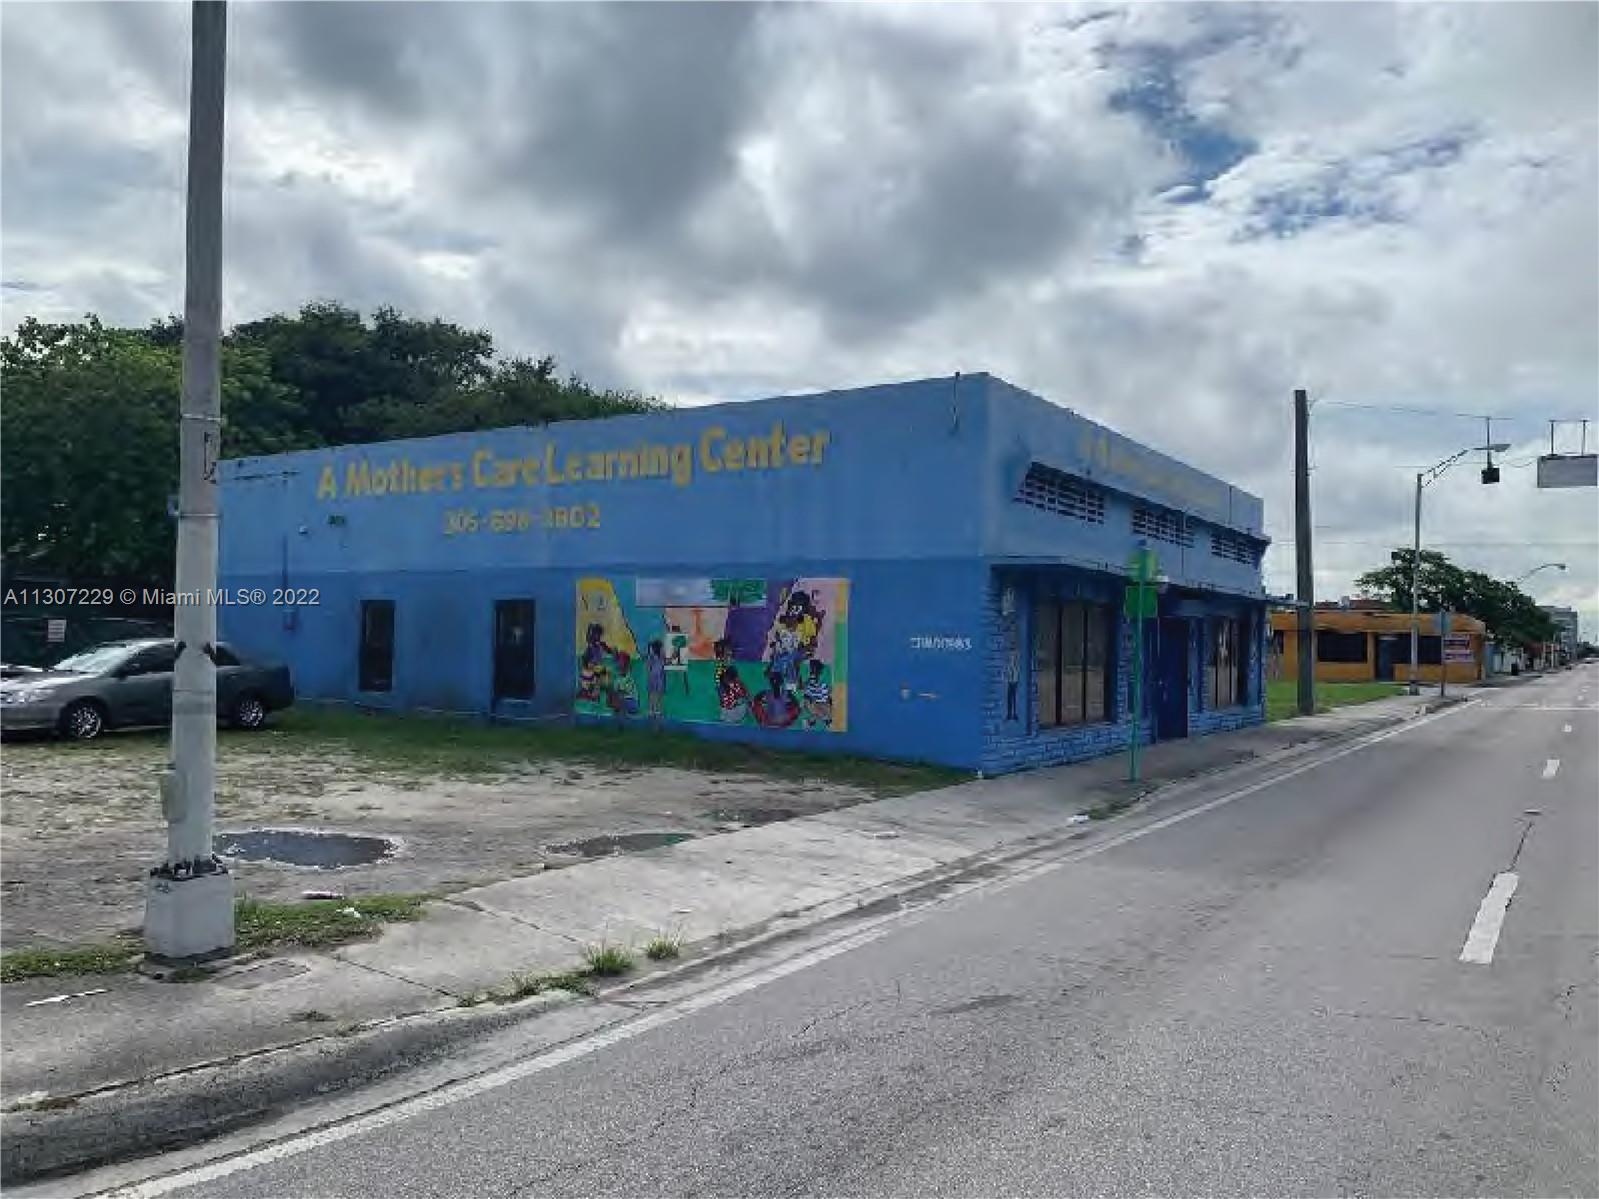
x,y
1536,569
189,897
1422,479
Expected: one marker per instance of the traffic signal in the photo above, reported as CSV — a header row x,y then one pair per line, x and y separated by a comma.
x,y
1490,474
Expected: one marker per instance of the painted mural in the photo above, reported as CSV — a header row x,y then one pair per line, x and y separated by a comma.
x,y
767,653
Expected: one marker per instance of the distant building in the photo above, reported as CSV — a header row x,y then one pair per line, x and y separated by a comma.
x,y
1362,645
1566,623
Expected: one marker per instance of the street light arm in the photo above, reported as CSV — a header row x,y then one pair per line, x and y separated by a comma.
x,y
1429,476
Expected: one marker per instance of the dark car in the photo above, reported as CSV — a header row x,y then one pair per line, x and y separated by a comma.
x,y
126,683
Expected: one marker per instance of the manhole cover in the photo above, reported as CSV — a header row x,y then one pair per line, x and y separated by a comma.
x,y
751,815
299,847
599,847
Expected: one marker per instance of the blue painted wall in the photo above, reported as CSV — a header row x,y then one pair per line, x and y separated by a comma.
x,y
907,490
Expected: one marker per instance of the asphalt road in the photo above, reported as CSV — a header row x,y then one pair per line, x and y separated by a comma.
x,y
1267,998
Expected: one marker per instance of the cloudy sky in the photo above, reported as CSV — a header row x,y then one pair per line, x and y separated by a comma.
x,y
1165,216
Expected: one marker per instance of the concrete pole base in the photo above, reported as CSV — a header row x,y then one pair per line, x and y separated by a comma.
x,y
188,920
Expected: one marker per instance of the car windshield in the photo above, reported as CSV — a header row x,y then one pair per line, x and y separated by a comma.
x,y
97,660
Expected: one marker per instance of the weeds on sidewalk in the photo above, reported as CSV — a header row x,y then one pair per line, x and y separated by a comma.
x,y
607,961
257,925
83,959
320,922
662,947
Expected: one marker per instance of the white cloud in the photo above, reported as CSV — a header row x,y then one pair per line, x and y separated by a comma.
x,y
1168,216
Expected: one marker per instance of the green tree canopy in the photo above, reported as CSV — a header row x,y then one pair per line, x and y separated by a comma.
x,y
1512,616
89,455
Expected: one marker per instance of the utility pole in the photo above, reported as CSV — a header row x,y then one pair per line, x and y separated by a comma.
x,y
1306,580
1415,594
189,897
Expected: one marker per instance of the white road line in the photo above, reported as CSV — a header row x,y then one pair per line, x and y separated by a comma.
x,y
455,1092
1551,768
1484,934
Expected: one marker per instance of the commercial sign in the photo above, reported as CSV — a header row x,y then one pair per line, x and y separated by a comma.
x,y
1457,648
1568,470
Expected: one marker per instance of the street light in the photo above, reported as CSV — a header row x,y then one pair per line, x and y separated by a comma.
x,y
1536,569
1489,475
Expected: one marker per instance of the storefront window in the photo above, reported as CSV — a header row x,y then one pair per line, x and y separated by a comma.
x,y
1071,663
1229,664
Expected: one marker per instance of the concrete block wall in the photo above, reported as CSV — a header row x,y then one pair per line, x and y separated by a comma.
x,y
1010,745
1203,719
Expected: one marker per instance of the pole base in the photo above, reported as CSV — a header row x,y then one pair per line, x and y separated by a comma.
x,y
188,920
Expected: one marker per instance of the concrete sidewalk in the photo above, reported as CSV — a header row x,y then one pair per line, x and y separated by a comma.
x,y
713,893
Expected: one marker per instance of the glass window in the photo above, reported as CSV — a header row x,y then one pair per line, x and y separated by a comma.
x,y
1334,646
158,659
376,656
1226,645
1046,663
1428,653
1071,663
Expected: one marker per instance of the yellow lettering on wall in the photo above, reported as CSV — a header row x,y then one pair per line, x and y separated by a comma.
x,y
682,465
733,455
818,444
357,479
758,453
327,487
707,455
596,466
574,466
552,474
480,478
799,449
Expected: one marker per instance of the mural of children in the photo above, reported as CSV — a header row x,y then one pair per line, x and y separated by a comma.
x,y
785,656
731,694
591,663
655,677
775,708
622,694
818,696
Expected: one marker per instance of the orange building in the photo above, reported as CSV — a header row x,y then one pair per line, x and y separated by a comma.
x,y
1362,646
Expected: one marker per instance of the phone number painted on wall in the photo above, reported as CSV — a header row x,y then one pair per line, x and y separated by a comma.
x,y
458,521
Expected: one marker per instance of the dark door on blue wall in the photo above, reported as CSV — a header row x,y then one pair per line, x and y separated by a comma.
x,y
513,649
1171,680
1387,655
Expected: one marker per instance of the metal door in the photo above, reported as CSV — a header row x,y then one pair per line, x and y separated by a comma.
x,y
513,649
1387,655
1171,680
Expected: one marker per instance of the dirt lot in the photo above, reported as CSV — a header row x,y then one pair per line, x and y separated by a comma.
x,y
463,804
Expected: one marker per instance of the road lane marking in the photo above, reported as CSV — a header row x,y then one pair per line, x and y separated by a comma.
x,y
1551,768
450,1093
1484,934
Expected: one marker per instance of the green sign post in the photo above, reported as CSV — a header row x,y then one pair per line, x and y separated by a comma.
x,y
1138,604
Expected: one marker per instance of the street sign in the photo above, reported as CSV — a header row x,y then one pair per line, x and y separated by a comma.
x,y
1457,648
1568,470
1141,566
1140,600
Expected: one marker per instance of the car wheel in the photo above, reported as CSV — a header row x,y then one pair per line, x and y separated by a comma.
x,y
83,721
249,712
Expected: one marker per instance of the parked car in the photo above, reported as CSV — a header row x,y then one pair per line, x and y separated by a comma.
x,y
120,684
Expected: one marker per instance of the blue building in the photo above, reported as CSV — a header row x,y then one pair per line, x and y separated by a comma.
x,y
931,570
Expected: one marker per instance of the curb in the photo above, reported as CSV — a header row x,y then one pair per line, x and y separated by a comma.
x,y
161,1113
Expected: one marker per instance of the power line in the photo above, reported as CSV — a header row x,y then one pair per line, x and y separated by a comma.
x,y
1410,408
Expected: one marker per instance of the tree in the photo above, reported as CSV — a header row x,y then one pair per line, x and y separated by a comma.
x,y
90,450
90,453
1512,616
